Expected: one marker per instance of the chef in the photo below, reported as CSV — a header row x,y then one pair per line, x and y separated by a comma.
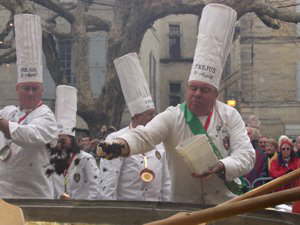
x,y
140,177
201,113
76,174
26,129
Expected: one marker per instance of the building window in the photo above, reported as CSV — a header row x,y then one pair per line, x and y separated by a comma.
x,y
64,54
152,76
175,93
174,41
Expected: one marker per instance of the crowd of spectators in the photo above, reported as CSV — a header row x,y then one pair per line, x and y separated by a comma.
x,y
274,157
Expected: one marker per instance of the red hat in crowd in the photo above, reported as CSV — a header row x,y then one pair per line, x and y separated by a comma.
x,y
286,141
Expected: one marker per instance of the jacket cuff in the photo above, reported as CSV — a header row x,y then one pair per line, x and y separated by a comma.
x,y
13,126
229,168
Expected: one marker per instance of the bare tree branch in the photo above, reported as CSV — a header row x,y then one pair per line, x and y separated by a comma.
x,y
52,61
97,23
288,6
56,7
57,33
6,30
17,6
268,21
276,13
8,57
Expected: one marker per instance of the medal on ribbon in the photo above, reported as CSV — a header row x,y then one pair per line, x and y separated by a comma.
x,y
146,174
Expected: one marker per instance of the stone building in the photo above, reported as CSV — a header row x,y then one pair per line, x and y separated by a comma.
x,y
262,73
178,35
166,55
264,76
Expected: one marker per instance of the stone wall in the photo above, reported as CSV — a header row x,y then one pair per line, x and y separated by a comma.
x,y
269,75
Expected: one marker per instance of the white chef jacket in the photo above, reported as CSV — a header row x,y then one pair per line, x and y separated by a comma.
x,y
120,178
82,178
170,128
22,175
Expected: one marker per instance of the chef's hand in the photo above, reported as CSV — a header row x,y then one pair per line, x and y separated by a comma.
x,y
64,196
94,142
112,149
218,169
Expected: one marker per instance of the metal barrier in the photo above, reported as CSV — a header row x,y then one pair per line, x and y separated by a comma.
x,y
261,180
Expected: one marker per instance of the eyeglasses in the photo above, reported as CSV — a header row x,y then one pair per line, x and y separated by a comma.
x,y
285,149
204,90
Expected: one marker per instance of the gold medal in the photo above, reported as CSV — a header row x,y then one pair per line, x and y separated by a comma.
x,y
146,174
99,151
65,196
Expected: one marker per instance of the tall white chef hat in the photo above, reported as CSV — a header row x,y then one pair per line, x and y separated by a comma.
x,y
134,85
28,31
216,29
66,109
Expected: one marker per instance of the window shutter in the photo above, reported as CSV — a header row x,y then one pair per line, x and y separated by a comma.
x,y
97,61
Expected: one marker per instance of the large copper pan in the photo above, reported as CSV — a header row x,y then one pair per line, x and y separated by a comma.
x,y
58,212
